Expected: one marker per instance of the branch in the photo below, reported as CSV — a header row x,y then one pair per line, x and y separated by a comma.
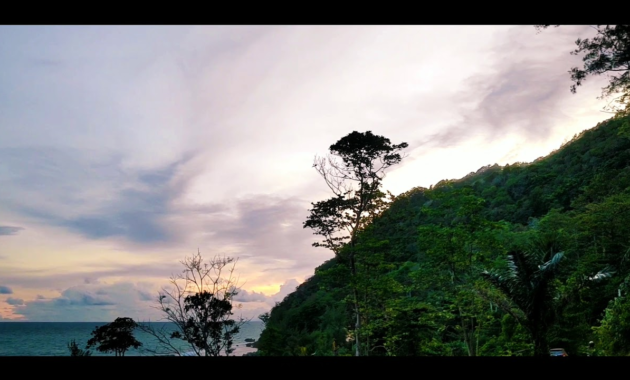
x,y
162,338
503,304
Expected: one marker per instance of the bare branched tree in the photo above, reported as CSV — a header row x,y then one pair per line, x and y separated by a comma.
x,y
199,302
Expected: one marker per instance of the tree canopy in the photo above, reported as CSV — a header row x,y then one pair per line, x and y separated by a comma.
x,y
116,337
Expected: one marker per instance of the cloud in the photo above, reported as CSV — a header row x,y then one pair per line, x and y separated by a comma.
x,y
105,302
245,296
80,297
524,92
266,233
15,301
167,130
146,296
5,290
8,230
285,289
91,303
97,199
90,275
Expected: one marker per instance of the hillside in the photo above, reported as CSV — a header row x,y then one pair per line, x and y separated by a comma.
x,y
423,291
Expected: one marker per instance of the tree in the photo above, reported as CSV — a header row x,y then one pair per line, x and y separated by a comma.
x,y
116,337
456,238
354,171
76,351
264,317
613,334
606,53
200,305
529,285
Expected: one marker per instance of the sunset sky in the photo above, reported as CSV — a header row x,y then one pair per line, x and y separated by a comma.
x,y
124,149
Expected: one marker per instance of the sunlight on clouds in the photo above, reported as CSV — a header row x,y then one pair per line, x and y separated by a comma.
x,y
277,289
267,290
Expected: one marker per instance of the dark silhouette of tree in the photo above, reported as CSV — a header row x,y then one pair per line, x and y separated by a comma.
x,y
354,171
199,303
116,337
76,351
264,317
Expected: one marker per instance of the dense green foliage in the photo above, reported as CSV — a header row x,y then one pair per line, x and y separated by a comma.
x,y
509,260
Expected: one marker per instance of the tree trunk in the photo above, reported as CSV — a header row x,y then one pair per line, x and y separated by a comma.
x,y
541,346
469,334
356,307
357,328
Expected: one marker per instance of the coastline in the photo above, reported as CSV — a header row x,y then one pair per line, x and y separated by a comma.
x,y
243,350
238,351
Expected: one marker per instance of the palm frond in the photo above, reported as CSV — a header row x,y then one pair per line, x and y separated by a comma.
x,y
602,274
512,267
523,265
504,284
552,264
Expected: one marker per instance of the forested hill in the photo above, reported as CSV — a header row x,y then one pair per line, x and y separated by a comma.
x,y
552,236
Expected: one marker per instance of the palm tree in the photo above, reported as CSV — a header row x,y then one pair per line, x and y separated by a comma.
x,y
528,284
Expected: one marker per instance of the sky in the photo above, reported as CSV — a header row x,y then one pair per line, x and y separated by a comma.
x,y
126,149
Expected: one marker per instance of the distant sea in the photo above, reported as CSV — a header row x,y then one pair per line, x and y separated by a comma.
x,y
52,338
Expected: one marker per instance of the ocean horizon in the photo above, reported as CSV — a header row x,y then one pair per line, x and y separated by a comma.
x,y
52,338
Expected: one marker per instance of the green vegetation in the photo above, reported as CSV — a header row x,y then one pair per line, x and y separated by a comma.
x,y
509,260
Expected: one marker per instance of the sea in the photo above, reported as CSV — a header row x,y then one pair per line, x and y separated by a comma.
x,y
52,338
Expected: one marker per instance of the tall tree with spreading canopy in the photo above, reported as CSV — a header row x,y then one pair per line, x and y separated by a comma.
x,y
354,171
116,337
